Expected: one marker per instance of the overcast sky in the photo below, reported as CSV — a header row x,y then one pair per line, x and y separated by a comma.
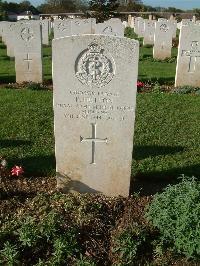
x,y
182,4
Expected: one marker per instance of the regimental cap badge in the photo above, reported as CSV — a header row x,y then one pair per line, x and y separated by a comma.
x,y
93,67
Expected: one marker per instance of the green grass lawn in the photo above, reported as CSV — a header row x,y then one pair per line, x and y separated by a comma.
x,y
163,72
166,141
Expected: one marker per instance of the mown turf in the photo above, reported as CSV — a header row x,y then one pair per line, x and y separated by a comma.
x,y
162,72
26,135
166,142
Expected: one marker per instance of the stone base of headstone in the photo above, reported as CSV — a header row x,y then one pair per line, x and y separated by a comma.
x,y
161,54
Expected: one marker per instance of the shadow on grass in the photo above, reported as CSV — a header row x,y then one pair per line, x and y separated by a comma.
x,y
2,46
141,152
7,79
5,143
150,183
5,58
161,80
36,166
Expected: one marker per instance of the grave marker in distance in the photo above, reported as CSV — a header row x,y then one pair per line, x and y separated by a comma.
x,y
28,52
188,60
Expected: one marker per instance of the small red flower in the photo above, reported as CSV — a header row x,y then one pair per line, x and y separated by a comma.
x,y
17,170
140,84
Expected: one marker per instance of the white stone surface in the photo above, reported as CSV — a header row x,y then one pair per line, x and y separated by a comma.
x,y
69,27
45,31
140,27
1,27
162,40
188,60
10,38
4,30
174,25
95,88
162,19
7,33
129,20
186,22
179,25
112,27
133,23
125,23
28,52
62,28
137,23
149,31
83,26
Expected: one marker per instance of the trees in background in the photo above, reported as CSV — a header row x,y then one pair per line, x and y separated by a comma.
x,y
62,6
6,7
135,6
103,9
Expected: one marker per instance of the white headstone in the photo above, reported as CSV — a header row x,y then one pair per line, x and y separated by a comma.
x,y
83,26
62,28
186,22
162,19
10,40
194,18
94,80
188,61
149,31
133,23
129,20
112,27
69,27
137,23
45,31
140,27
162,40
150,17
174,25
1,27
179,25
28,52
125,24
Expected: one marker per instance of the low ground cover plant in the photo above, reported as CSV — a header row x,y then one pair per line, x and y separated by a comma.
x,y
175,212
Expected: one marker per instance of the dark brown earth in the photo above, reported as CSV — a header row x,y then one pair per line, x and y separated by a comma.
x,y
97,237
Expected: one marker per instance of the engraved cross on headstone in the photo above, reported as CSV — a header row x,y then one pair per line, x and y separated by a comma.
x,y
93,139
28,60
193,54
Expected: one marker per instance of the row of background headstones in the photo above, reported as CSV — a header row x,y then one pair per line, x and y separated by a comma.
x,y
24,40
27,49
160,34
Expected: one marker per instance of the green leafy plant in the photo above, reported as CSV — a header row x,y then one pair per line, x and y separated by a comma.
x,y
128,242
176,212
186,90
83,261
28,232
9,255
156,88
